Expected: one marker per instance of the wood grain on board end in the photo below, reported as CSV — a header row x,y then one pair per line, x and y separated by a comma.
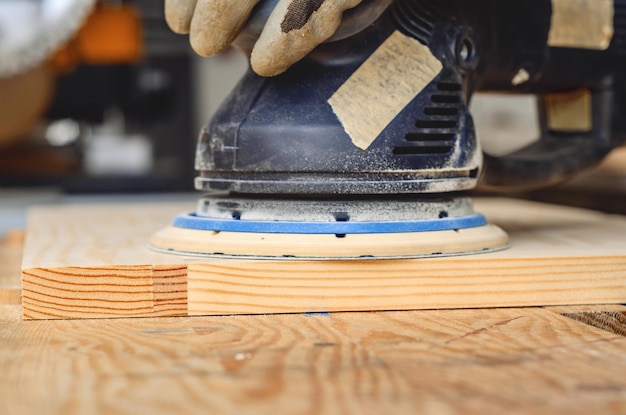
x,y
101,292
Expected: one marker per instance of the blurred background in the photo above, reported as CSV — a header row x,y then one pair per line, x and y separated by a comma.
x,y
116,107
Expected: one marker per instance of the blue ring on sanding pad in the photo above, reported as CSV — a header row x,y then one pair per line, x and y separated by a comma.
x,y
193,221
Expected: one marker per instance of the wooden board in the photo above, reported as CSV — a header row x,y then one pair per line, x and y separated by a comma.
x,y
93,262
487,361
11,246
483,361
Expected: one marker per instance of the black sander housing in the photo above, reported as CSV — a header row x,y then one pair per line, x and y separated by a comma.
x,y
279,135
376,120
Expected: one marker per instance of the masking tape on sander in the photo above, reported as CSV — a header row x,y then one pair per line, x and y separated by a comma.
x,y
384,84
584,24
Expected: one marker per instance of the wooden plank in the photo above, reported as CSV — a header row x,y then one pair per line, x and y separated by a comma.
x,y
248,287
487,361
93,262
89,261
11,245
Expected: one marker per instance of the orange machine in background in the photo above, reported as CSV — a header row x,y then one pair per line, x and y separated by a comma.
x,y
111,35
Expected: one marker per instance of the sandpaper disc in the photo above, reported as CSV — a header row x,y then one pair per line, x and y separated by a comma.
x,y
329,246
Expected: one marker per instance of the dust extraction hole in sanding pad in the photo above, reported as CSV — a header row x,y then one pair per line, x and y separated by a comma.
x,y
227,227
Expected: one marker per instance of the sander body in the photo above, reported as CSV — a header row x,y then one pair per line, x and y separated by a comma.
x,y
366,147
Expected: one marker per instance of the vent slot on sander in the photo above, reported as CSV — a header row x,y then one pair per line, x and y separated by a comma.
x,y
437,132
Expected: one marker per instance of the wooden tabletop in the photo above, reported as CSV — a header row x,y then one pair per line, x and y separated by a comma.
x,y
566,360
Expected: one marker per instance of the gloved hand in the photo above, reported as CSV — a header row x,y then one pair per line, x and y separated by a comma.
x,y
294,28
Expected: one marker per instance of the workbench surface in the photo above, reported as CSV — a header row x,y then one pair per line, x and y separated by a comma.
x,y
487,361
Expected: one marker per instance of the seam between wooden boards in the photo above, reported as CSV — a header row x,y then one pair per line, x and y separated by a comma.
x,y
148,290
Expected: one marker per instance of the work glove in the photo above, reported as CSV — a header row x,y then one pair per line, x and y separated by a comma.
x,y
294,28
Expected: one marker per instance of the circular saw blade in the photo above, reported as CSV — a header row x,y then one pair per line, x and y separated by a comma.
x,y
32,30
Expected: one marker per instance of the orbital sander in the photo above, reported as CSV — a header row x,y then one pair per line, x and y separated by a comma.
x,y
366,147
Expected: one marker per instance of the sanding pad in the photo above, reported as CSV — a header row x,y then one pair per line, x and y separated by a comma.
x,y
324,246
399,227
